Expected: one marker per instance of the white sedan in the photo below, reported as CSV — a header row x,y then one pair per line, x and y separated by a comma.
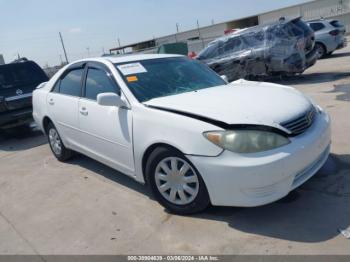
x,y
175,125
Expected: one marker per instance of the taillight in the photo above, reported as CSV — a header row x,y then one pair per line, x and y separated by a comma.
x,y
334,32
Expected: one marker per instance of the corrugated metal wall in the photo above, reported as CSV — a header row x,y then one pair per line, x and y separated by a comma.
x,y
206,34
335,9
290,12
325,8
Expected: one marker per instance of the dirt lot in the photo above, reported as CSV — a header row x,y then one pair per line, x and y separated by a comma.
x,y
84,207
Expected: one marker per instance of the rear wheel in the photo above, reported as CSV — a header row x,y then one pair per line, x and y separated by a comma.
x,y
320,50
175,182
56,145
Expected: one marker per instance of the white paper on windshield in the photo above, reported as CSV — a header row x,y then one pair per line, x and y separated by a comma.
x,y
132,68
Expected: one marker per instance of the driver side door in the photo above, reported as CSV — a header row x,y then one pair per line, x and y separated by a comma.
x,y
106,130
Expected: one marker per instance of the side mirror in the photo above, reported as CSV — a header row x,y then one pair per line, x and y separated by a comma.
x,y
224,77
111,99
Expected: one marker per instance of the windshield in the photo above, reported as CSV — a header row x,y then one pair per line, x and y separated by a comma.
x,y
148,79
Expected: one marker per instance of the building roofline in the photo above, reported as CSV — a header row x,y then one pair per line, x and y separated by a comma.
x,y
204,27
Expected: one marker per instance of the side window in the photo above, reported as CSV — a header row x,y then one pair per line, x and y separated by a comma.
x,y
98,82
71,83
316,26
232,45
5,78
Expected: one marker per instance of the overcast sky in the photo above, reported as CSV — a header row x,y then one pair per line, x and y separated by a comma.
x,y
30,27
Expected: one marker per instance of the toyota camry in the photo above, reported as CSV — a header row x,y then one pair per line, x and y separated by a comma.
x,y
175,125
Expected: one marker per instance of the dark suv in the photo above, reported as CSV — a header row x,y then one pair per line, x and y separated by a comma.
x,y
284,47
17,82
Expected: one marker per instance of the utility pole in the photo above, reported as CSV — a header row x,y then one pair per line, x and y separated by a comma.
x,y
177,31
64,49
88,51
199,34
119,45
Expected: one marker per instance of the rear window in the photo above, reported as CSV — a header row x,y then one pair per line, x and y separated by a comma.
x,y
317,26
336,23
21,73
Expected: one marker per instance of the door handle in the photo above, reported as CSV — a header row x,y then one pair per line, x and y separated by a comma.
x,y
83,111
51,102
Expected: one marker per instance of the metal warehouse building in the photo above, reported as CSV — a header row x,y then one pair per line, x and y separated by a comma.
x,y
198,38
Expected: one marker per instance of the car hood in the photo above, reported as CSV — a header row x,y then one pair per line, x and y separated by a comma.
x,y
241,102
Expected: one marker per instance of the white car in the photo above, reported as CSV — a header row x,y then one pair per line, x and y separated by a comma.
x,y
174,124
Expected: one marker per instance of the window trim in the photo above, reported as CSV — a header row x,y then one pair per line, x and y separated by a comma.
x,y
75,66
103,68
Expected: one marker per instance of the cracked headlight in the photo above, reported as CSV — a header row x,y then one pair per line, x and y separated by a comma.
x,y
246,141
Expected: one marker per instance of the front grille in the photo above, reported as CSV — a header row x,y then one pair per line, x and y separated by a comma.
x,y
299,124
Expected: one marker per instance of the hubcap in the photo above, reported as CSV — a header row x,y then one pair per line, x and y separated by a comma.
x,y
55,141
176,180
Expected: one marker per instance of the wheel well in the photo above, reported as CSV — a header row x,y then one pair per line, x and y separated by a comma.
x,y
46,122
322,44
149,151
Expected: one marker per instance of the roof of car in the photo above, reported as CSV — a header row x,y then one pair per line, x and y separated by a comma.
x,y
128,58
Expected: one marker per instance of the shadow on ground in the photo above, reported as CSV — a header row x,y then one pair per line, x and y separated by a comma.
x,y
109,173
312,213
337,55
21,138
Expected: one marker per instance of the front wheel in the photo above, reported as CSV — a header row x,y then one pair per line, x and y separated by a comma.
x,y
175,182
56,145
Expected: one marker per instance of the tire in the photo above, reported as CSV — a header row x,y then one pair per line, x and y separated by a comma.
x,y
191,194
320,50
56,144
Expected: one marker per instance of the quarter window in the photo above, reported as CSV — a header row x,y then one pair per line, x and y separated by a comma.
x,y
71,83
98,82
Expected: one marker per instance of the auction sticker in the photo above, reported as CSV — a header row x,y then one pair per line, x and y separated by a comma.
x,y
132,68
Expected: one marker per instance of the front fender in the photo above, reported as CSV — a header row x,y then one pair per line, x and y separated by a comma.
x,y
153,126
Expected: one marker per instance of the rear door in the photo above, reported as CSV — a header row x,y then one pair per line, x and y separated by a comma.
x,y
62,103
106,131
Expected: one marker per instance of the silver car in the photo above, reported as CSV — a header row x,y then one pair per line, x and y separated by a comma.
x,y
329,35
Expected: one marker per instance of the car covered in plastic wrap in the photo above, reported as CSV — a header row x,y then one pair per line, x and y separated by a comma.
x,y
285,47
